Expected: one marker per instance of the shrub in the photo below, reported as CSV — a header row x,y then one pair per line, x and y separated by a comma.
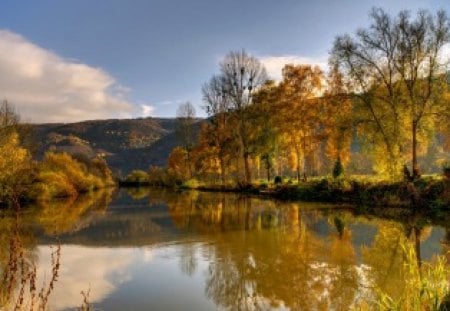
x,y
137,176
75,171
263,185
60,175
278,180
158,176
53,185
191,183
446,169
338,169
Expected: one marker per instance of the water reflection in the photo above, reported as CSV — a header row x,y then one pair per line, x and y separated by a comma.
x,y
163,250
30,272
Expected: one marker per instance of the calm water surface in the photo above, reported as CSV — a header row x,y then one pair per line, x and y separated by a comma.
x,y
160,250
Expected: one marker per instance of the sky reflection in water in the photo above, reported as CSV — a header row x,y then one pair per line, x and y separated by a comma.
x,y
201,251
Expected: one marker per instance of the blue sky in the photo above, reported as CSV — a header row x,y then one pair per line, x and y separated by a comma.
x,y
134,58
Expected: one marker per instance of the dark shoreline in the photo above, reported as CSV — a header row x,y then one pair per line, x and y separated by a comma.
x,y
420,194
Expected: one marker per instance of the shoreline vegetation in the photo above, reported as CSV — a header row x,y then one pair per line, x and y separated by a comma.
x,y
427,192
58,176
25,178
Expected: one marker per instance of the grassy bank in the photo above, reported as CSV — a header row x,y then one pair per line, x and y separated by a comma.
x,y
432,191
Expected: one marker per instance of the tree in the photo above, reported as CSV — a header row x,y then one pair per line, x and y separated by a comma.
x,y
339,125
14,159
14,168
185,130
178,163
217,134
300,113
267,132
396,73
9,120
241,75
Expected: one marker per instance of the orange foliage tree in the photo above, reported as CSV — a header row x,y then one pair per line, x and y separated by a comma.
x,y
300,113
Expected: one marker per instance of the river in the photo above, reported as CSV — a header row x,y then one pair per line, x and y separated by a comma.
x,y
156,249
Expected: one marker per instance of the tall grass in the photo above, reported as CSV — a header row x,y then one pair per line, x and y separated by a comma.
x,y
426,286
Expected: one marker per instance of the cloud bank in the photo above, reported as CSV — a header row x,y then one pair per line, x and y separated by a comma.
x,y
45,87
83,269
274,64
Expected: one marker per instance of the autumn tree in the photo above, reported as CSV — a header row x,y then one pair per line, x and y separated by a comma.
x,y
339,124
217,134
300,112
9,119
395,69
14,159
178,163
185,130
267,131
241,74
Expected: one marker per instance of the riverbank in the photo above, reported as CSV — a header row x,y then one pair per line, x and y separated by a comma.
x,y
424,192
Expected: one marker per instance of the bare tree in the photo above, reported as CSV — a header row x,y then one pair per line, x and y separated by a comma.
x,y
217,107
396,71
9,119
185,130
241,74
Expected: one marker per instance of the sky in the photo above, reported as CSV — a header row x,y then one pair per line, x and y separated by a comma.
x,y
72,60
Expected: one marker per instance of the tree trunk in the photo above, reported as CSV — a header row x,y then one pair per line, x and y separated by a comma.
x,y
248,177
298,167
268,175
222,170
189,164
415,168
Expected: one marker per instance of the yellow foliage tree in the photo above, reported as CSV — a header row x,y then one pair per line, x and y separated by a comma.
x,y
178,163
300,114
14,167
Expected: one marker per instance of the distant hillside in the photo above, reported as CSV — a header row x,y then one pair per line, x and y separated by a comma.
x,y
127,144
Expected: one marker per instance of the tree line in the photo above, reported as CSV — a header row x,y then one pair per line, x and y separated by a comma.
x,y
386,92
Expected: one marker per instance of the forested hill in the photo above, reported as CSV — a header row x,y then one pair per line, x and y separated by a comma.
x,y
127,144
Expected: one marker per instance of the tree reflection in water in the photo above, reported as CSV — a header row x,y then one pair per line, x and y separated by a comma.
x,y
266,254
21,287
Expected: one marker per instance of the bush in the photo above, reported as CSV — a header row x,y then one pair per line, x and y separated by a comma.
x,y
137,176
75,171
158,176
263,185
338,169
278,180
446,170
54,185
191,183
60,175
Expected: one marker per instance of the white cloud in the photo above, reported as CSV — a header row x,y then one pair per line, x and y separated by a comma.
x,y
102,270
444,57
45,87
274,64
147,110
